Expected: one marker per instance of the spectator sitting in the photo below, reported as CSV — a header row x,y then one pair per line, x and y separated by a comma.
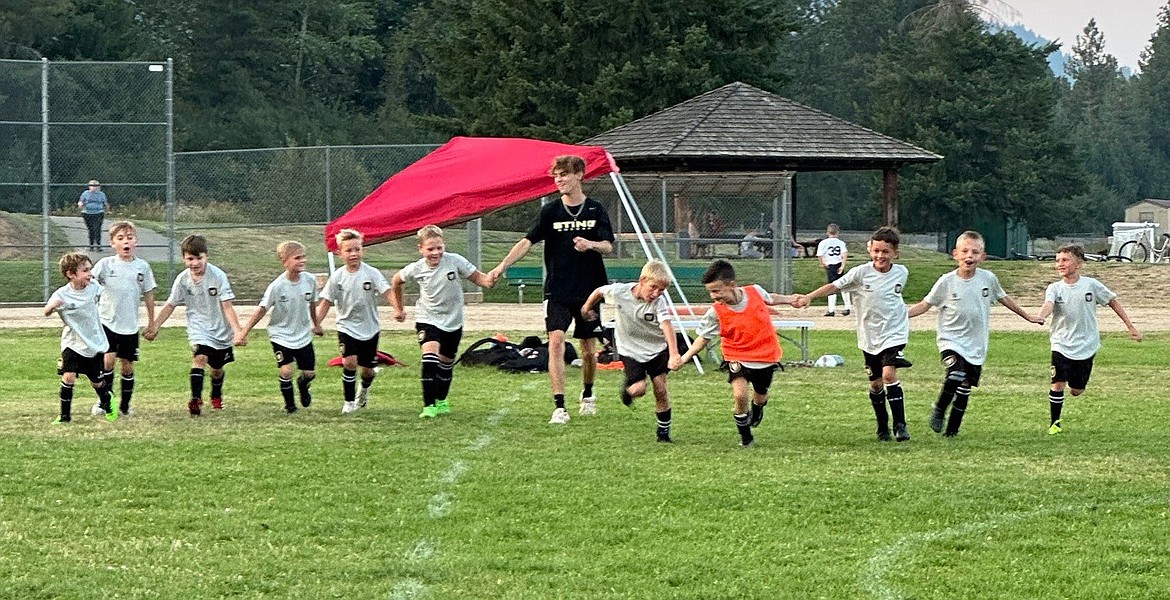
x,y
749,247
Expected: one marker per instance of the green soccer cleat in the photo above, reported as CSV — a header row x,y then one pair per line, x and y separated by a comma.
x,y
112,416
442,407
61,420
1054,428
429,412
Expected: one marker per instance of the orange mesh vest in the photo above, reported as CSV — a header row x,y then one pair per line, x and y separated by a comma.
x,y
748,336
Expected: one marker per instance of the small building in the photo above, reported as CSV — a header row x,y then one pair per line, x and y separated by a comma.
x,y
1150,210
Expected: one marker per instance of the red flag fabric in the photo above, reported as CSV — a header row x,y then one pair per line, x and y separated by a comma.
x,y
461,180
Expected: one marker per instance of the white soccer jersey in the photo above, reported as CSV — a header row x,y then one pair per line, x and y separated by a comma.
x,y
289,304
882,318
440,290
125,282
206,323
356,297
83,332
964,312
1074,331
832,250
638,332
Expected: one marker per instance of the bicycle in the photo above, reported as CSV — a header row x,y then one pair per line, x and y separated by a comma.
x,y
1144,249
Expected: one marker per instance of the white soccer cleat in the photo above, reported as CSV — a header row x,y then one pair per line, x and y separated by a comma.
x,y
560,416
97,410
348,407
363,397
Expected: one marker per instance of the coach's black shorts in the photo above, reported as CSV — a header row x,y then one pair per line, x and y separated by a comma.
x,y
305,357
888,357
448,340
366,351
216,357
761,379
637,371
558,316
954,362
125,345
1074,372
90,366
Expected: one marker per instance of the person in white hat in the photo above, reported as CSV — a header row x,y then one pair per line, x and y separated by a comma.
x,y
93,205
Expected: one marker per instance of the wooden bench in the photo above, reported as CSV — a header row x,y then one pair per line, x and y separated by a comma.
x,y
523,277
779,324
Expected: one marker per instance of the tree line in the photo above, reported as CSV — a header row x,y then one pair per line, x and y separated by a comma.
x,y
1063,154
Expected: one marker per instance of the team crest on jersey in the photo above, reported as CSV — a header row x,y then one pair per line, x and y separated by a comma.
x,y
986,292
451,276
1088,296
309,296
141,277
649,317
1058,299
897,288
211,291
282,298
367,285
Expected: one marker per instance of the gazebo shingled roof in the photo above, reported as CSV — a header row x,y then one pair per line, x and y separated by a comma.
x,y
739,127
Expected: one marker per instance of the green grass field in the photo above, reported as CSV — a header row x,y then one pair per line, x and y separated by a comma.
x,y
492,502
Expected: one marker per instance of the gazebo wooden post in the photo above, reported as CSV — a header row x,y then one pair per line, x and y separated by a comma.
x,y
890,196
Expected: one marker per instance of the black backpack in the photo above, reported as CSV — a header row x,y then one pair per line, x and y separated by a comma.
x,y
531,356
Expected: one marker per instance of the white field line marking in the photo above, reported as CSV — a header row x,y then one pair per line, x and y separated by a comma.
x,y
441,504
885,559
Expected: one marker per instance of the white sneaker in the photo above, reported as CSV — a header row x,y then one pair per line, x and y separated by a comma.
x,y
560,416
97,410
348,407
588,406
363,397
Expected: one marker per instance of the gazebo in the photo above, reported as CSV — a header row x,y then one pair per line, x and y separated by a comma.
x,y
739,128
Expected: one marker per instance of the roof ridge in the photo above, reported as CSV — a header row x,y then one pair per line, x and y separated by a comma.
x,y
699,120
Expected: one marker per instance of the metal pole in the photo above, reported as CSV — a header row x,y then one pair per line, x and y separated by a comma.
x,y
328,202
170,110
474,247
663,186
45,178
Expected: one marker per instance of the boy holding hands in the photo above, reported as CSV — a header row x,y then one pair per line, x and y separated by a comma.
x,y
883,326
751,350
644,334
355,288
83,343
964,297
1074,336
292,298
438,313
211,320
126,279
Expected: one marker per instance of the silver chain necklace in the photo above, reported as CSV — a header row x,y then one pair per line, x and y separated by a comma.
x,y
580,208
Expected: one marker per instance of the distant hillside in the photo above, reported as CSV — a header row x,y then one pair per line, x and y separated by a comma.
x,y
1056,60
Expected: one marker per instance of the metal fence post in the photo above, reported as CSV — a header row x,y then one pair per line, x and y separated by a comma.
x,y
170,116
45,178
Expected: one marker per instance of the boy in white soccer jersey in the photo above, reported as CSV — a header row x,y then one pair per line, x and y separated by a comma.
x,y
126,279
1074,335
355,288
211,320
751,350
292,298
963,297
833,253
644,335
883,327
438,317
83,342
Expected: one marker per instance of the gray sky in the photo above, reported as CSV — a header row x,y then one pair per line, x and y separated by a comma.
x,y
1126,24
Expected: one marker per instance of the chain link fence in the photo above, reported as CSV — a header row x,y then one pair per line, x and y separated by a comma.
x,y
61,125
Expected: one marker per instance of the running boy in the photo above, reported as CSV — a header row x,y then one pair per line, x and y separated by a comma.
x,y
355,288
751,350
964,297
438,317
211,320
833,253
292,298
83,343
883,327
644,335
1074,335
126,279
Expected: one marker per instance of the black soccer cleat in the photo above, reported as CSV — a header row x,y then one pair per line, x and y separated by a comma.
x,y
936,419
757,414
883,435
900,432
